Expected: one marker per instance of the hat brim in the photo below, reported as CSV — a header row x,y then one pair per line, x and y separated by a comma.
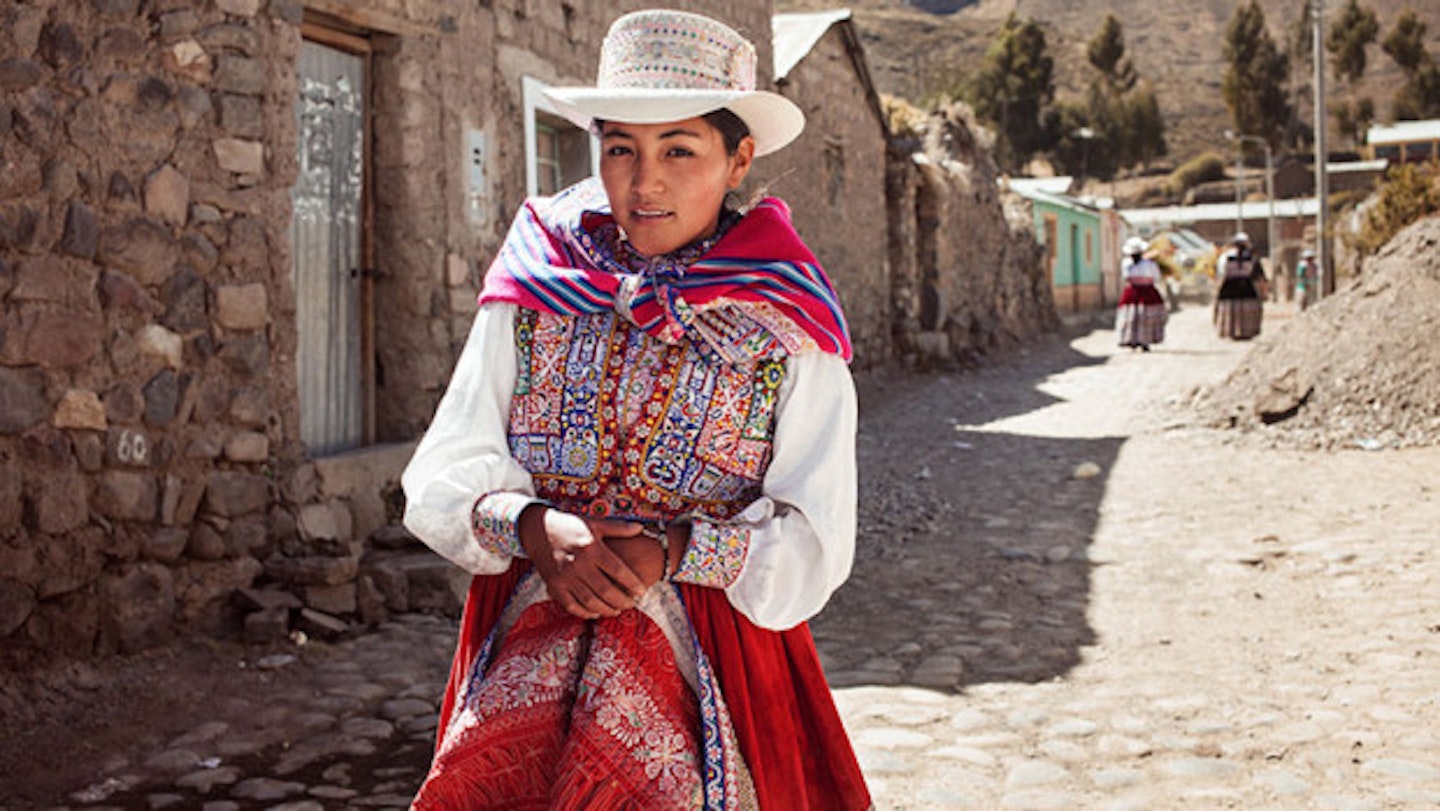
x,y
774,120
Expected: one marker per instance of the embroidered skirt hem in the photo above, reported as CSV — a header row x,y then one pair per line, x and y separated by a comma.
x,y
1141,316
794,753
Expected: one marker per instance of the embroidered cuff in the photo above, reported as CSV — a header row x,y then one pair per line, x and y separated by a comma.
x,y
495,522
715,555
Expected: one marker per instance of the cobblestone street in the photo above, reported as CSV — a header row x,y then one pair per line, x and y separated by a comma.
x,y
1197,625
1067,596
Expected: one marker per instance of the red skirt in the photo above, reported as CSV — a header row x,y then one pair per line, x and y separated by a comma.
x,y
1141,293
785,722
1141,315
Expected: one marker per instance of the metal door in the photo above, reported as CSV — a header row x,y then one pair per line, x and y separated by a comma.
x,y
327,239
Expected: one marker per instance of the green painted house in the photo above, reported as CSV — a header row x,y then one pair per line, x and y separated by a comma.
x,y
1081,243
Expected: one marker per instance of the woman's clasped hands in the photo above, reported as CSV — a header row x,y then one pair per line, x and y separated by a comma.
x,y
592,567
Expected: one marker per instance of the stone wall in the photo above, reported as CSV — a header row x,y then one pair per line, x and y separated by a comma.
x,y
833,177
143,349
966,280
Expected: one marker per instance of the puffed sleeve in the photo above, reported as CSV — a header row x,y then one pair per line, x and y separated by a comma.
x,y
782,557
463,489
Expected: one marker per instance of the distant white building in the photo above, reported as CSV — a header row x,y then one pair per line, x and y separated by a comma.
x,y
1217,222
1405,141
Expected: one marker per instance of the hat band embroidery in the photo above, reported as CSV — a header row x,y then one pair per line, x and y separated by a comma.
x,y
675,58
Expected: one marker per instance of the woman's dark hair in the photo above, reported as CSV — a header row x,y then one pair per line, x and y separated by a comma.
x,y
731,128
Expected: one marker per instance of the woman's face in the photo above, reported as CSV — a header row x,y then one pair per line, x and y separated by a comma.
x,y
666,182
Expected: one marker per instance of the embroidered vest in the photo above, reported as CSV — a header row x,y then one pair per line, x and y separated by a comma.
x,y
1237,266
611,421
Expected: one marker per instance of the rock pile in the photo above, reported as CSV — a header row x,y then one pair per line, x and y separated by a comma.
x,y
1361,369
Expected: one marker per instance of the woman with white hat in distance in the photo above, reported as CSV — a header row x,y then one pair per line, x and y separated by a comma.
x,y
1140,318
646,458
1239,304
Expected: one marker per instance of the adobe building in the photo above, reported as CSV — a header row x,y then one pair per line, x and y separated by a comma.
x,y
836,174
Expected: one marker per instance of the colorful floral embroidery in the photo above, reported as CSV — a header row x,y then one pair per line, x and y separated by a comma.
x,y
715,556
611,421
494,521
569,714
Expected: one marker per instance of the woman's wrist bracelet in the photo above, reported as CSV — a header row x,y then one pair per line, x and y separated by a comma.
x,y
660,532
664,539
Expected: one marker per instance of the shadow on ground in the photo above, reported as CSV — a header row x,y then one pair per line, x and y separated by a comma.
x,y
972,561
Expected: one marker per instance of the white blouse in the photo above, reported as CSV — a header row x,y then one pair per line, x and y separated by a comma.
x,y
1143,269
802,529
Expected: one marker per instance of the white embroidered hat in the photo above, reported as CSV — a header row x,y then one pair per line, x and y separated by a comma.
x,y
662,65
1135,245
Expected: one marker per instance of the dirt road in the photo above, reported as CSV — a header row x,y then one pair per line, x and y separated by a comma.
x,y
1066,596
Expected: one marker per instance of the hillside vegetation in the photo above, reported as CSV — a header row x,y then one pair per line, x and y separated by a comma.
x,y
1177,46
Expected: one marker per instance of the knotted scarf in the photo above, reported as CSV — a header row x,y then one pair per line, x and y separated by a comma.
x,y
552,261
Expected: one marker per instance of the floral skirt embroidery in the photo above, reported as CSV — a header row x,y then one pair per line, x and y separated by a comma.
x,y
564,713
1140,318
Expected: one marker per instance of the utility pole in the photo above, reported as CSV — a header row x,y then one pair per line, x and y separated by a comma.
x,y
1239,184
1322,196
1272,238
1271,243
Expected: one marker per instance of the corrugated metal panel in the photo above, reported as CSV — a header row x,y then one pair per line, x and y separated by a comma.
x,y
325,235
796,34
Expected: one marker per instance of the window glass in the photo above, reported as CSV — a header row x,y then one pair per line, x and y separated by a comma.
x,y
547,159
558,154
1418,151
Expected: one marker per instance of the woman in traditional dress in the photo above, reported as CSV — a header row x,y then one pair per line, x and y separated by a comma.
x,y
646,458
1140,320
1239,306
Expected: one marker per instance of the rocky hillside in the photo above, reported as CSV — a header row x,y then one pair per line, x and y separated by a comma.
x,y
1178,46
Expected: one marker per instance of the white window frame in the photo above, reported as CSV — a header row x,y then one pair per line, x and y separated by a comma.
x,y
535,101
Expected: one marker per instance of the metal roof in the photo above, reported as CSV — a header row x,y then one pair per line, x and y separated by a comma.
x,y
1086,204
1168,216
1402,132
1345,167
1050,185
795,34
1189,241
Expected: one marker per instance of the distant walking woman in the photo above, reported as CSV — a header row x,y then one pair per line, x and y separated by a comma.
x,y
1141,317
1239,306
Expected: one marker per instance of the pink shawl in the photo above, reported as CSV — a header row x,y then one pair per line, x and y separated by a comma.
x,y
551,261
